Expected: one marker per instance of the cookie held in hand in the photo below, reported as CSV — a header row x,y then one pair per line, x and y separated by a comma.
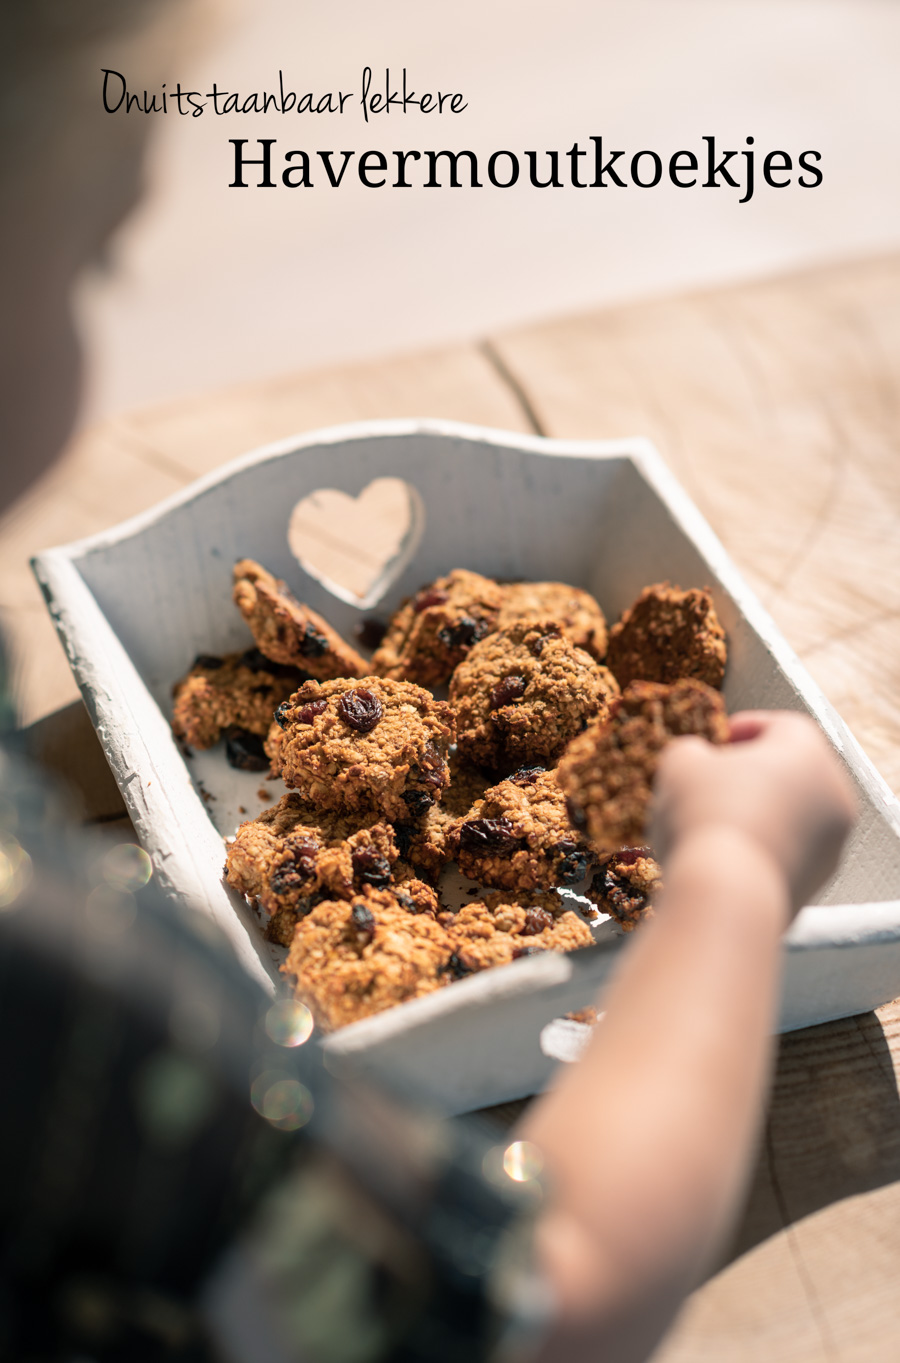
x,y
607,772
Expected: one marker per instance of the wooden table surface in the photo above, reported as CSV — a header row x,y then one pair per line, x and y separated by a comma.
x,y
777,404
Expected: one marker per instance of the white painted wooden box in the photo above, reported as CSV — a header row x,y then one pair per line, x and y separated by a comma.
x,y
135,604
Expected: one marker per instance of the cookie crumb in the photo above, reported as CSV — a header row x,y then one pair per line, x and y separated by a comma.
x,y
588,1017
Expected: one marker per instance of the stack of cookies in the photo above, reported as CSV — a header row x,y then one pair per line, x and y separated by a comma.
x,y
534,773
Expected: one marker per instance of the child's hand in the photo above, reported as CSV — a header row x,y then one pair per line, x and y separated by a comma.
x,y
777,781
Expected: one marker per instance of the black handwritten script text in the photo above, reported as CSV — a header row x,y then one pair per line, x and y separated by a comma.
x,y
590,163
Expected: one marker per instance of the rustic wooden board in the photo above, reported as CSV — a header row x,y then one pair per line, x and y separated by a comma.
x,y
814,1273
132,462
776,404
778,407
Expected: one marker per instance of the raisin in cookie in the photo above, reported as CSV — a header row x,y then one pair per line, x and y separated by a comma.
x,y
494,931
626,885
433,631
287,631
607,772
576,612
240,691
372,744
430,843
668,634
518,837
523,692
294,854
350,960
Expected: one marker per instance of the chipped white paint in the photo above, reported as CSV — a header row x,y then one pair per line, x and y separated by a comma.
x,y
134,605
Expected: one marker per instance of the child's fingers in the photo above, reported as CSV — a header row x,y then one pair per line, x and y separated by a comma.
x,y
748,724
683,770
778,781
786,727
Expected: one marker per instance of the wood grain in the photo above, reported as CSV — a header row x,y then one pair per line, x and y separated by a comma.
x,y
777,406
813,1271
134,461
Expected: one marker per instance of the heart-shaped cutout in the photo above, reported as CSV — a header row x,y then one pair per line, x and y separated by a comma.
x,y
357,547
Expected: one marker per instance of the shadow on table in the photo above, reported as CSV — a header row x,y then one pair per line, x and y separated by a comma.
x,y
833,1128
65,745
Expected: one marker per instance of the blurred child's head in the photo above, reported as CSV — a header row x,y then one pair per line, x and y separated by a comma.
x,y
69,172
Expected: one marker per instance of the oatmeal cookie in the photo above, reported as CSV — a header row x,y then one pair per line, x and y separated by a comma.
x,y
518,837
430,842
286,630
666,635
415,895
607,772
626,885
493,931
371,744
576,612
523,692
239,691
272,747
351,960
293,855
433,631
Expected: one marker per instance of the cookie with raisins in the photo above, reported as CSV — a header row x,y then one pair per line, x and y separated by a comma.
x,y
666,635
434,630
518,837
578,615
293,855
495,930
351,960
523,693
369,744
607,772
430,842
239,691
626,884
287,631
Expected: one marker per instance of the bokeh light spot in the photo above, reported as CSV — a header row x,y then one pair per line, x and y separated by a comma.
x,y
126,867
15,871
289,1023
522,1162
283,1101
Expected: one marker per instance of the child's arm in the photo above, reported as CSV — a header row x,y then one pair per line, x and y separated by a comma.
x,y
648,1140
